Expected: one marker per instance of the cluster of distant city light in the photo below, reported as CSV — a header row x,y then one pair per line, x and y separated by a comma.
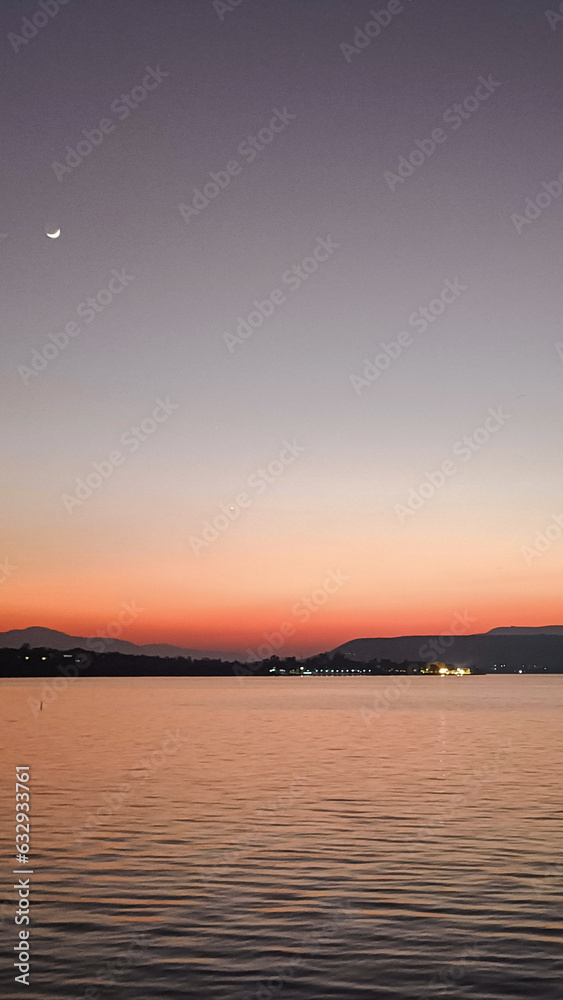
x,y
449,671
437,669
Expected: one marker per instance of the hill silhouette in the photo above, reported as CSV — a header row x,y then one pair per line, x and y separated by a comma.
x,y
37,636
511,648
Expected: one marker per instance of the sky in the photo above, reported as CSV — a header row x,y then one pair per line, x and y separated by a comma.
x,y
316,393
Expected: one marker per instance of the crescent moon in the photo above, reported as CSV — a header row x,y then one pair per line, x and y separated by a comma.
x,y
54,236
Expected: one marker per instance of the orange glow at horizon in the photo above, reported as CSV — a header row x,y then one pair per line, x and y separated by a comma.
x,y
216,608
334,572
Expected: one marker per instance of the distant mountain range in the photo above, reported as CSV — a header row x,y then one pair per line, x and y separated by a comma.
x,y
512,647
521,630
51,639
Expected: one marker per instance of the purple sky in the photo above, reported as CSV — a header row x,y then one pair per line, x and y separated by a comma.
x,y
348,119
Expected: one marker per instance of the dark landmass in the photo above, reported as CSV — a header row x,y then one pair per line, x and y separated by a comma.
x,y
499,651
43,662
37,636
46,663
515,647
524,630
38,652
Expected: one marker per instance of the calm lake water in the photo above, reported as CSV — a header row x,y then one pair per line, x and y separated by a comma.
x,y
289,837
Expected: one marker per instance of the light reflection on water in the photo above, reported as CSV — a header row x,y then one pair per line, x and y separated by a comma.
x,y
290,837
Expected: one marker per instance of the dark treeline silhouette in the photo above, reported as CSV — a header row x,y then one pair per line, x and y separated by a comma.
x,y
43,662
